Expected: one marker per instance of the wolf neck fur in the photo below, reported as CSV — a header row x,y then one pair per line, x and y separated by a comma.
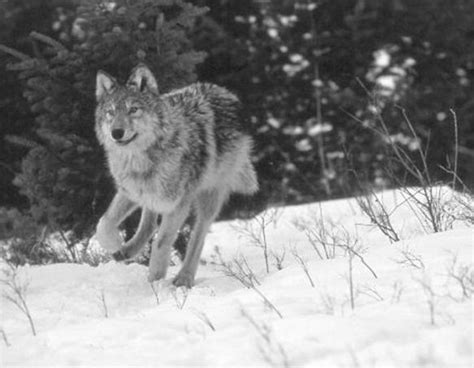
x,y
126,163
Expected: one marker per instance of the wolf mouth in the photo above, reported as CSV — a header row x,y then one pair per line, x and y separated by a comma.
x,y
124,143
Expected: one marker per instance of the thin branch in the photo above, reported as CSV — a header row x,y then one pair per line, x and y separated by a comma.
x,y
48,40
17,293
15,53
155,293
302,262
4,337
104,303
456,150
205,318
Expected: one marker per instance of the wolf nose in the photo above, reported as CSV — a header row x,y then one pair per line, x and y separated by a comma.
x,y
117,134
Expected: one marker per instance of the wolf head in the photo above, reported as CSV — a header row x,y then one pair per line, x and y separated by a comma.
x,y
128,116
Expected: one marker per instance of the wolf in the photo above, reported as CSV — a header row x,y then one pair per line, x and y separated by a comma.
x,y
170,155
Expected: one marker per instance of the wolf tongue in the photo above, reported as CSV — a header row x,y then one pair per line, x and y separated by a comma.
x,y
122,143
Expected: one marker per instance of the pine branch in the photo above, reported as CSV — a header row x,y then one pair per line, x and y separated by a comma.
x,y
48,40
15,53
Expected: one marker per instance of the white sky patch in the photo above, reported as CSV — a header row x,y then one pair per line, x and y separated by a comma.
x,y
110,5
293,130
387,82
320,129
407,39
398,71
304,145
335,155
272,32
409,62
296,58
382,58
441,116
293,69
317,83
274,123
288,21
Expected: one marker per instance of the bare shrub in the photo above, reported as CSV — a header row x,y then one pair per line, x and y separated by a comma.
x,y
103,303
4,337
321,234
303,265
431,297
462,207
240,270
278,259
155,293
430,205
180,296
408,258
353,250
15,290
397,290
429,202
463,274
352,247
376,211
327,239
271,349
256,230
205,319
329,303
370,292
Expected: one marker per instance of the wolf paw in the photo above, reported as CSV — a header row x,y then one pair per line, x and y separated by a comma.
x,y
184,279
157,275
108,237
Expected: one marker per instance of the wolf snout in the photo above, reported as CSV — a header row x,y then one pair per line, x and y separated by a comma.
x,y
118,134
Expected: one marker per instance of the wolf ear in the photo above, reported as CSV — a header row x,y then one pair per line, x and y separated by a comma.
x,y
142,79
104,84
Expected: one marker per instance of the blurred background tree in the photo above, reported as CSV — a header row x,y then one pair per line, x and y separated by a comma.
x,y
305,70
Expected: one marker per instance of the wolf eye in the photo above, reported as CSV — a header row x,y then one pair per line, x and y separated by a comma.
x,y
133,110
109,114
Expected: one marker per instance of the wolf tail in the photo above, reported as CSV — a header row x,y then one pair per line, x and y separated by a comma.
x,y
247,182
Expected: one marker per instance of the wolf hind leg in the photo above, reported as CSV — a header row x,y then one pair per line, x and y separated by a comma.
x,y
208,204
162,245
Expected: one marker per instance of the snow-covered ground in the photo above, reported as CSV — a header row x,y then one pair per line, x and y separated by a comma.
x,y
412,314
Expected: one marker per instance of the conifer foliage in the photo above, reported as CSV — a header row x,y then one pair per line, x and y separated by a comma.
x,y
64,174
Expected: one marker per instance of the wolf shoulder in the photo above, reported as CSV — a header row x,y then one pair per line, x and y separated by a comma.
x,y
200,92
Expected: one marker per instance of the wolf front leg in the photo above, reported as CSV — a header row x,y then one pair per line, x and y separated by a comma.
x,y
167,234
107,232
145,231
208,205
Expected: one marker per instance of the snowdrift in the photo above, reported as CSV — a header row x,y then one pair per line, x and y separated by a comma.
x,y
408,307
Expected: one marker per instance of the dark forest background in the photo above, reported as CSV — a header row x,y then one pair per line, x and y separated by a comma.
x,y
316,77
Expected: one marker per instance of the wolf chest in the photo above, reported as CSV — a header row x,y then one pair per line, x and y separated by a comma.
x,y
149,193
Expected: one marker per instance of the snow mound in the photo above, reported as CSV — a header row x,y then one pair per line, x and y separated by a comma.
x,y
409,309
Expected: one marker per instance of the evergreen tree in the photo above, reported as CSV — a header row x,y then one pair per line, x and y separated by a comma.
x,y
63,174
286,57
17,18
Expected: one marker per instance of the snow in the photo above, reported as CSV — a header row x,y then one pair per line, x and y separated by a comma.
x,y
222,323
